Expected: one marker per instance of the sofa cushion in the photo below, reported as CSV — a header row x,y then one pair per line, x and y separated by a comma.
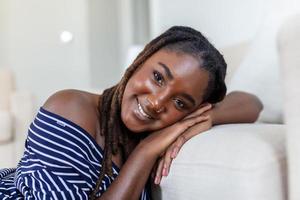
x,y
259,73
237,161
289,47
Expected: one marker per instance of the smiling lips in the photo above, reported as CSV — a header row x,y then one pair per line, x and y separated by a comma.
x,y
142,113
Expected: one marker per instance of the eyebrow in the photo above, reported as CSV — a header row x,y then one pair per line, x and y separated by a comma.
x,y
171,77
167,70
188,97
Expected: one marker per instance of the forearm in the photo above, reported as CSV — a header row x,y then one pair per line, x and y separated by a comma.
x,y
132,177
237,107
136,170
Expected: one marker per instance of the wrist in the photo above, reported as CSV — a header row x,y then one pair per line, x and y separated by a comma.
x,y
146,150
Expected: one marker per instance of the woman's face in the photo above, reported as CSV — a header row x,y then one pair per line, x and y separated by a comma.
x,y
166,88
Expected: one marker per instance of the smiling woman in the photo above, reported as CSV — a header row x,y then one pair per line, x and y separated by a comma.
x,y
104,146
168,86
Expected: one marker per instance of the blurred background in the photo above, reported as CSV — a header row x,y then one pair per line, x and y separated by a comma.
x,y
57,44
46,46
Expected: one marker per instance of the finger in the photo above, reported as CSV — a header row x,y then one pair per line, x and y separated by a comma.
x,y
195,126
203,107
154,169
167,161
167,167
199,111
192,121
159,172
178,144
168,135
175,151
198,128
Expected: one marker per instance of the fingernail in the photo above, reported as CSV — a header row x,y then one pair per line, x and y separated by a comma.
x,y
164,172
174,152
173,155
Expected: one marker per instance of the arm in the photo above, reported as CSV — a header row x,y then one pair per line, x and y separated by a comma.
x,y
237,107
72,105
133,175
135,172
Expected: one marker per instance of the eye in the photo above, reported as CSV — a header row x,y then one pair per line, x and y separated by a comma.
x,y
158,77
179,104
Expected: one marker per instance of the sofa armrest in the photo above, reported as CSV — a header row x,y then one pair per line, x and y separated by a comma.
x,y
234,161
289,54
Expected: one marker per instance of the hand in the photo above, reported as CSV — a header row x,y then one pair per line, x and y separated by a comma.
x,y
158,141
163,164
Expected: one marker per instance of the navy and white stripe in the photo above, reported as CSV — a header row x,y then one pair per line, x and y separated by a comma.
x,y
61,161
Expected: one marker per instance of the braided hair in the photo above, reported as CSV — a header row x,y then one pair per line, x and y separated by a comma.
x,y
177,39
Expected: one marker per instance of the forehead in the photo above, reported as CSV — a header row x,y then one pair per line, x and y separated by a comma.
x,y
187,74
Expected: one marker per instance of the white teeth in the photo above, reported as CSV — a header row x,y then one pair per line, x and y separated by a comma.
x,y
143,112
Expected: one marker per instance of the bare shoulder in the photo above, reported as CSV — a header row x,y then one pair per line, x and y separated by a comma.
x,y
77,106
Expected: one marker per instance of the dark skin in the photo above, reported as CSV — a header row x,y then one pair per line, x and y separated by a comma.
x,y
168,87
172,109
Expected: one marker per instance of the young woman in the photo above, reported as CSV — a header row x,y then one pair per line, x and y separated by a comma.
x,y
90,146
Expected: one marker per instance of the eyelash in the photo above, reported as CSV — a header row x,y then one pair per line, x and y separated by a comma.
x,y
181,102
159,79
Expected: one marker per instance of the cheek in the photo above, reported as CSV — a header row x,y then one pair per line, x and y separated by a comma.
x,y
172,116
141,86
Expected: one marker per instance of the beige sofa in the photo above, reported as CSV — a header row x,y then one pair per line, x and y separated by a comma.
x,y
289,48
249,161
17,108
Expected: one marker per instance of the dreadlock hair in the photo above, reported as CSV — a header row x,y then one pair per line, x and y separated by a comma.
x,y
177,39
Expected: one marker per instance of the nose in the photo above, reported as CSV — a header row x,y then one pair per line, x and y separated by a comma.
x,y
156,103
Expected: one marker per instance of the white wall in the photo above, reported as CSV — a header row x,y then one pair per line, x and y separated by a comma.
x,y
42,64
103,32
30,45
105,42
223,22
4,25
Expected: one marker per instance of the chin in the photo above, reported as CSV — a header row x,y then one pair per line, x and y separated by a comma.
x,y
136,129
133,127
